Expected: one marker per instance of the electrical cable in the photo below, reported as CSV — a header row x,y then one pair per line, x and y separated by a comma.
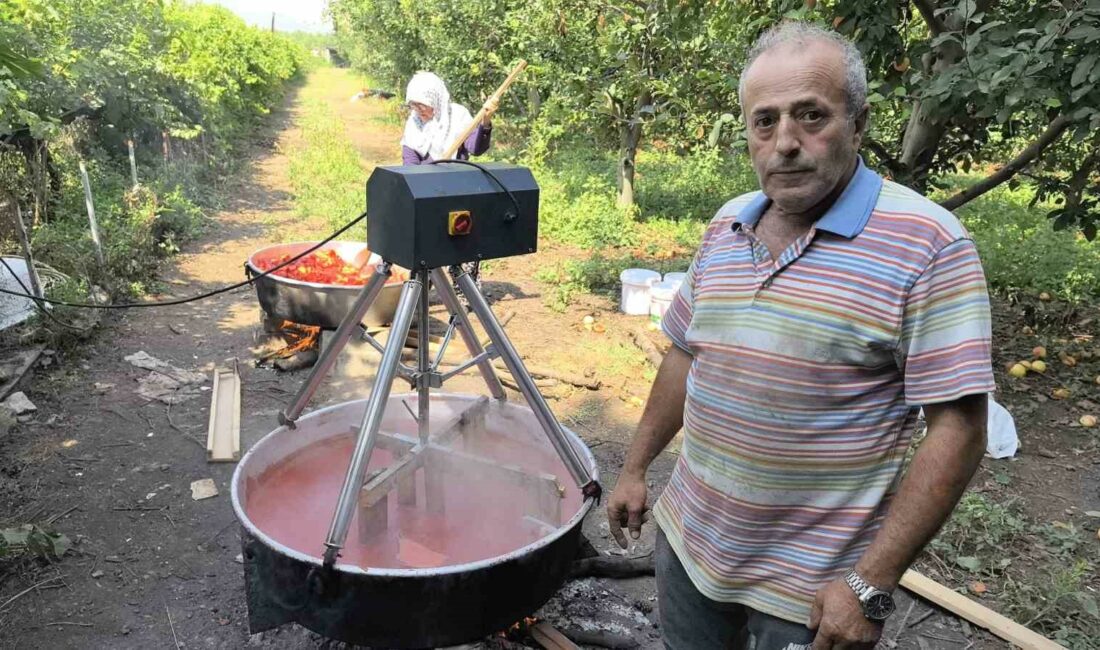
x,y
201,296
488,173
37,300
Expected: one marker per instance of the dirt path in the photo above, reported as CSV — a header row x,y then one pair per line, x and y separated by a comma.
x,y
155,569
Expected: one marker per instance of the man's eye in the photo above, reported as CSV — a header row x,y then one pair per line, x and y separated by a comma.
x,y
765,122
812,116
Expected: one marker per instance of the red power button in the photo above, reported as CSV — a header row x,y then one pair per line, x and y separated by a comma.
x,y
459,223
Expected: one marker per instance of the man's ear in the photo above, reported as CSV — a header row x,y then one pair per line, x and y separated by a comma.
x,y
861,120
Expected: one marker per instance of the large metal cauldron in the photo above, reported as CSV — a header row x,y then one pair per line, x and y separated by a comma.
x,y
310,303
398,607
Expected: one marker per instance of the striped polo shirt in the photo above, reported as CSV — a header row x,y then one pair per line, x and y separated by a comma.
x,y
807,377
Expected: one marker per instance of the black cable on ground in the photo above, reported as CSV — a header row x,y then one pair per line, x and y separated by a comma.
x,y
201,296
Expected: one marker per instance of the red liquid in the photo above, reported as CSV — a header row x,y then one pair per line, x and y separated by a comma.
x,y
293,501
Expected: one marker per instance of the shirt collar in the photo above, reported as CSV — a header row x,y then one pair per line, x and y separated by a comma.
x,y
846,217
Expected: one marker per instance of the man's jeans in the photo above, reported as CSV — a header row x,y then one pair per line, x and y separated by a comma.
x,y
691,621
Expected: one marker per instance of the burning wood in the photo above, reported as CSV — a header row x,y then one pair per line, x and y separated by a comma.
x,y
297,338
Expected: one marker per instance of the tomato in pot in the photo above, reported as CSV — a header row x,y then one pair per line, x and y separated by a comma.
x,y
325,266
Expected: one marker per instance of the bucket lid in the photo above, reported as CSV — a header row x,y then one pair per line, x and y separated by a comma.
x,y
675,276
664,290
638,276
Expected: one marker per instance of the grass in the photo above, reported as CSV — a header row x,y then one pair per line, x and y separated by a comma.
x,y
678,194
325,171
1039,574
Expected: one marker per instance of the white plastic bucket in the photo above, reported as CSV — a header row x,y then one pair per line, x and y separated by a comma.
x,y
660,297
675,277
635,295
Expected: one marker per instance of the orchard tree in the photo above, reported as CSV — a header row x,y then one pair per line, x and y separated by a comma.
x,y
1008,86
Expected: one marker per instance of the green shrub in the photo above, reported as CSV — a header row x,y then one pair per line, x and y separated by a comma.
x,y
1021,251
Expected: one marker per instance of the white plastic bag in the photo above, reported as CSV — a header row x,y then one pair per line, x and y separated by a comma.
x,y
1001,438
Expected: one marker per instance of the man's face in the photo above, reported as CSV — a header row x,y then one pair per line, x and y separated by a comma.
x,y
802,140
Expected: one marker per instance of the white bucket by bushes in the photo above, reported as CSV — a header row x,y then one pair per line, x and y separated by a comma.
x,y
675,277
660,297
635,296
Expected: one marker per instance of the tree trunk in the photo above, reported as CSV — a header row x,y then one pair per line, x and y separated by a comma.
x,y
925,130
630,134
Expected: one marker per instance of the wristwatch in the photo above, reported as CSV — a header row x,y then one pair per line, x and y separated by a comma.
x,y
877,604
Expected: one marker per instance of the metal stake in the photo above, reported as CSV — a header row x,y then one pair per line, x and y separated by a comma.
x,y
550,424
372,419
343,334
91,213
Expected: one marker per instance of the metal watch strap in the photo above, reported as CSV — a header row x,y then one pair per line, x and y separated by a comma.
x,y
858,584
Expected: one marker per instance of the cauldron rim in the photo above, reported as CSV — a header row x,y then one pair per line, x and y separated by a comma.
x,y
270,542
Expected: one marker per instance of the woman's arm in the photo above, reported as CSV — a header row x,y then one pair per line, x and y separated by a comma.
x,y
479,140
409,156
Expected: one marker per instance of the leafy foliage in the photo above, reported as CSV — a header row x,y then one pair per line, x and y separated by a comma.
x,y
32,541
956,84
78,79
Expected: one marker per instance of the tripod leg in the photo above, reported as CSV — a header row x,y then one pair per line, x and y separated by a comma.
x,y
454,305
340,339
550,424
423,359
372,419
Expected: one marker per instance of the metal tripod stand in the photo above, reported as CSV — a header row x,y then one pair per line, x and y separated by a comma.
x,y
424,377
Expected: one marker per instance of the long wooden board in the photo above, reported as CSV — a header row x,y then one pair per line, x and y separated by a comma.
x,y
976,613
550,638
223,436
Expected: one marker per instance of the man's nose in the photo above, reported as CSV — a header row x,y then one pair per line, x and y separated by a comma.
x,y
786,141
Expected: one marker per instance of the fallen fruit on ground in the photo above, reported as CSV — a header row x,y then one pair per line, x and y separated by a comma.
x,y
1068,359
1025,363
599,328
588,320
1060,393
1044,296
978,588
1088,420
1039,352
1039,366
1018,371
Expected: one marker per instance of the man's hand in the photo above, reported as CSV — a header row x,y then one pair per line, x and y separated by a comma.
x,y
626,507
839,620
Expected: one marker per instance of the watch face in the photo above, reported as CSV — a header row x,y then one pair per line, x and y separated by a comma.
x,y
879,606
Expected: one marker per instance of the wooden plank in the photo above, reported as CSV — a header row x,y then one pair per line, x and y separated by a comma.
x,y
223,436
377,488
457,425
373,518
550,638
976,613
543,490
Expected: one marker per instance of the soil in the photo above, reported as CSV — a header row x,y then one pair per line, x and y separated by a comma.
x,y
152,568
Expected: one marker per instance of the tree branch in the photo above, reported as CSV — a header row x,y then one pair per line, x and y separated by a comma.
x,y
927,9
1053,131
877,148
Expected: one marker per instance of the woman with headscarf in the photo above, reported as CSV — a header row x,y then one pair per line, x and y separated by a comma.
x,y
435,122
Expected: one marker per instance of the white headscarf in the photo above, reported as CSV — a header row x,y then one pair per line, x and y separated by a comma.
x,y
450,120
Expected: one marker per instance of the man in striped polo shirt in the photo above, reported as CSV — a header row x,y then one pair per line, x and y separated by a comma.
x,y
819,315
